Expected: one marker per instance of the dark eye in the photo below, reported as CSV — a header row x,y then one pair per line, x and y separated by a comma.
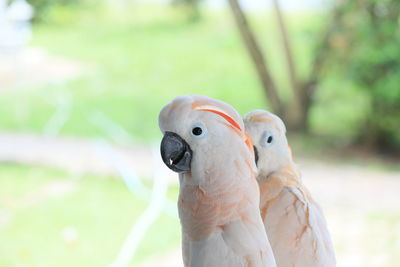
x,y
267,139
197,131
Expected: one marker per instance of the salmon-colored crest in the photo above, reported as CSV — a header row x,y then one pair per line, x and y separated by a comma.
x,y
219,112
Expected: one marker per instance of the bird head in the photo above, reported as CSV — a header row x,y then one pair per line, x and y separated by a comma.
x,y
201,134
268,134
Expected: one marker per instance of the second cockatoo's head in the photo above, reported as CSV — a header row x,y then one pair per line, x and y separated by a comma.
x,y
268,134
202,135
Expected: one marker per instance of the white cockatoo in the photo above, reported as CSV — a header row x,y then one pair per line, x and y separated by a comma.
x,y
294,222
205,142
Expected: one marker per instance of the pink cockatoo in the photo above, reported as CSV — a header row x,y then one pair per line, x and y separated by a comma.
x,y
204,141
294,222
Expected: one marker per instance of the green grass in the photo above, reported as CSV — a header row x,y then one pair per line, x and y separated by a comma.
x,y
142,60
100,209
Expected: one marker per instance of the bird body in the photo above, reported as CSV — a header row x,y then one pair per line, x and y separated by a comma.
x,y
294,222
219,196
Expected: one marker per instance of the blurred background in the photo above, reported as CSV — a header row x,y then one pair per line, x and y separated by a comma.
x,y
82,82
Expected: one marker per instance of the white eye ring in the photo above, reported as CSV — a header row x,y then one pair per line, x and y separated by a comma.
x,y
267,139
198,130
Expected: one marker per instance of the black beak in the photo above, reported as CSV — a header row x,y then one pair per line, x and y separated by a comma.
x,y
256,155
175,152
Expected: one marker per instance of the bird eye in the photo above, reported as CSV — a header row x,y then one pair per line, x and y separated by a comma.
x,y
198,130
267,139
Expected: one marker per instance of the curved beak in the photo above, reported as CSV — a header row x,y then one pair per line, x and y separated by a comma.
x,y
175,152
256,155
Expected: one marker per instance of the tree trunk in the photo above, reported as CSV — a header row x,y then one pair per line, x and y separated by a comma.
x,y
297,116
296,113
258,59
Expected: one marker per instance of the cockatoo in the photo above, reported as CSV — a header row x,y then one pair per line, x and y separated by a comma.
x,y
204,141
294,222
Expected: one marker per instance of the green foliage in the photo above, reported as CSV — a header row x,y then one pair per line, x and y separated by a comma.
x,y
136,62
134,68
40,206
192,8
55,10
366,47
